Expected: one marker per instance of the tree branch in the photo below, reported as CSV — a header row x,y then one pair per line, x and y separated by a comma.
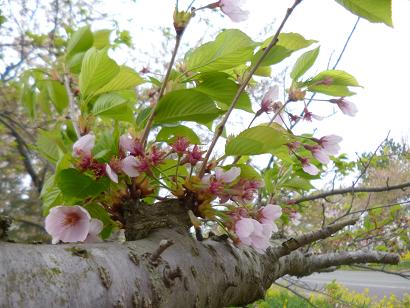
x,y
300,265
115,274
349,190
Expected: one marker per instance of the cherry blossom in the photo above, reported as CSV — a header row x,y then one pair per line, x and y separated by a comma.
x,y
345,106
83,146
129,166
252,232
232,8
131,145
319,153
111,173
96,227
180,145
270,96
68,224
269,213
330,144
227,176
308,167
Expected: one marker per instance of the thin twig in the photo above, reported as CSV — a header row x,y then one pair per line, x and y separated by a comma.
x,y
162,90
297,294
71,101
220,128
350,190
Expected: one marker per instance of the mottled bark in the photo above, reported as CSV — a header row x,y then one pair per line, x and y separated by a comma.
x,y
188,273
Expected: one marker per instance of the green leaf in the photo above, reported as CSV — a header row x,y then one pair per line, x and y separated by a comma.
x,y
73,183
257,140
75,62
333,82
96,71
337,77
169,134
50,195
223,90
80,41
98,212
113,106
58,95
248,172
298,183
126,79
286,45
304,63
230,48
49,144
102,38
372,10
186,105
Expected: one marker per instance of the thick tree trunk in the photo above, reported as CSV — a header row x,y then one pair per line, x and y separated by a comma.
x,y
144,273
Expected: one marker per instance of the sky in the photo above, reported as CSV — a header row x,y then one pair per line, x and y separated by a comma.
x,y
378,56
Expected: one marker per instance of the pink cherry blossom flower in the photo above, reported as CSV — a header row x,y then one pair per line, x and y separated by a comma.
x,y
330,144
84,145
319,153
252,232
308,167
227,176
194,156
111,173
232,8
309,116
96,227
129,165
68,224
156,156
269,213
245,190
180,145
131,145
345,106
269,98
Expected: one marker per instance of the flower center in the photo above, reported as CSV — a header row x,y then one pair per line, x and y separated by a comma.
x,y
71,219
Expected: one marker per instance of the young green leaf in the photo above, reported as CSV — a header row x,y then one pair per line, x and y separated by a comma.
x,y
74,184
169,134
96,71
333,82
186,105
58,95
230,48
126,79
257,140
114,107
101,38
287,44
223,90
372,10
304,63
80,41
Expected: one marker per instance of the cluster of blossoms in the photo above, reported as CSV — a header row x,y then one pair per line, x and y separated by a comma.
x,y
132,159
321,150
227,185
72,224
256,231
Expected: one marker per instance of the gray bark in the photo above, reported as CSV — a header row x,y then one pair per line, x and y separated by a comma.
x,y
189,273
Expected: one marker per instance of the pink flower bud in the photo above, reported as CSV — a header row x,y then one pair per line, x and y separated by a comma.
x,y
180,145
